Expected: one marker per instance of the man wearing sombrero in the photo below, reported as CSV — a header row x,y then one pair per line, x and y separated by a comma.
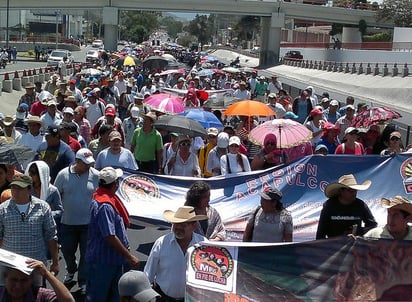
x,y
166,265
343,213
399,214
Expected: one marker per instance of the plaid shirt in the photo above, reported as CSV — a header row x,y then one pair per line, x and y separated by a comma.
x,y
43,295
28,233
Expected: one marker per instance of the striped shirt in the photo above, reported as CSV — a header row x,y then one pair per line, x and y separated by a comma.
x,y
105,221
27,233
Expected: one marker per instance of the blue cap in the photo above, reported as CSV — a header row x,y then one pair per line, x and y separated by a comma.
x,y
290,115
321,146
24,106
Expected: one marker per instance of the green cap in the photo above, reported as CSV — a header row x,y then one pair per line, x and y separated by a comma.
x,y
21,180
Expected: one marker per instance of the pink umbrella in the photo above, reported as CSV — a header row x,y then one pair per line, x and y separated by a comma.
x,y
166,103
288,133
171,71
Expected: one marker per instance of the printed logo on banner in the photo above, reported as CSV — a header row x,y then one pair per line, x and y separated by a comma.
x,y
213,266
139,187
406,173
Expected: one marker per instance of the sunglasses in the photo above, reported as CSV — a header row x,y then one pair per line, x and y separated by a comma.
x,y
394,138
234,146
271,144
185,144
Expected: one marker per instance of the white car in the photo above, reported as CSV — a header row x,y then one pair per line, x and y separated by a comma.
x,y
93,56
59,55
98,44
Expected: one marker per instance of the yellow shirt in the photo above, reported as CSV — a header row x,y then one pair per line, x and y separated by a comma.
x,y
203,155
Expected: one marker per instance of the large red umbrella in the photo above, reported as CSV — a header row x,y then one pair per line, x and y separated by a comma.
x,y
166,103
374,116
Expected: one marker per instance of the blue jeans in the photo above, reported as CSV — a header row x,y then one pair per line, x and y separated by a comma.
x,y
102,284
73,236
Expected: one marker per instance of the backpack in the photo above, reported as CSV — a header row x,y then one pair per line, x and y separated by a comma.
x,y
253,224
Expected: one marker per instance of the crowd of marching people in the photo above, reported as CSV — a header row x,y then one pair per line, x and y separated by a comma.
x,y
82,125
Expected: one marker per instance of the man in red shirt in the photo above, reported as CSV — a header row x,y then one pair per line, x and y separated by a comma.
x,y
66,128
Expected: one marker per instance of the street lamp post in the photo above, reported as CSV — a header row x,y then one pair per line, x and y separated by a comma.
x,y
7,23
57,29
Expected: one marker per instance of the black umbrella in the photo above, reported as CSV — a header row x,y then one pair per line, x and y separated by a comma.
x,y
180,124
155,62
17,155
128,61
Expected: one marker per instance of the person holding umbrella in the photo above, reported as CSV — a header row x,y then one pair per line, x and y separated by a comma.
x,y
269,156
185,162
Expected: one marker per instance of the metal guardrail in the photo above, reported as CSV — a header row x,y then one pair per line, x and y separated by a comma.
x,y
381,69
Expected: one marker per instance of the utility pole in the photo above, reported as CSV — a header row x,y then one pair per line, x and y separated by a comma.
x,y
7,24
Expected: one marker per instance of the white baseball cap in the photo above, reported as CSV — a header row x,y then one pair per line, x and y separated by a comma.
x,y
109,175
234,140
135,112
223,140
85,155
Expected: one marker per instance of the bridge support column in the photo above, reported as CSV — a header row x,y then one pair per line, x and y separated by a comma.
x,y
270,41
110,21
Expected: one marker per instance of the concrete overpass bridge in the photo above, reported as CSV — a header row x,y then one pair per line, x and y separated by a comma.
x,y
273,15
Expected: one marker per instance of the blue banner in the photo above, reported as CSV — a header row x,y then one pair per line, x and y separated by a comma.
x,y
302,183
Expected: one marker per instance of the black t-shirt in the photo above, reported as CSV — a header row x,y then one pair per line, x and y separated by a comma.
x,y
337,219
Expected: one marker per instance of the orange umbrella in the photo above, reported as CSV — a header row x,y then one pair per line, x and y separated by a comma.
x,y
249,108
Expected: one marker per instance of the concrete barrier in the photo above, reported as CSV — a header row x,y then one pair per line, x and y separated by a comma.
x,y
24,79
41,78
6,84
1,87
16,81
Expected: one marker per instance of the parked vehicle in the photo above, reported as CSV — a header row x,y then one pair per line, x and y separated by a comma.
x,y
59,55
93,56
293,55
98,44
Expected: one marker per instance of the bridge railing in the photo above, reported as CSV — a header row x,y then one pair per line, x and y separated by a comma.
x,y
376,68
397,46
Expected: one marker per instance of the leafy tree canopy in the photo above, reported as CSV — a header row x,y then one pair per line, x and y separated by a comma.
x,y
246,26
172,26
203,27
399,11
137,26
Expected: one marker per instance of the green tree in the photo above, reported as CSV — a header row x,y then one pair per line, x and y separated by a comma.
x,y
137,26
398,11
246,27
337,28
173,27
203,27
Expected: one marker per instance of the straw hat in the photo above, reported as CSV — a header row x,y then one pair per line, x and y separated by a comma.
x,y
346,181
397,202
183,214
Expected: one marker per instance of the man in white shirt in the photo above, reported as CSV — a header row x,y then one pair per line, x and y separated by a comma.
x,y
33,137
51,117
242,93
94,108
75,91
399,214
166,265
275,85
120,83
